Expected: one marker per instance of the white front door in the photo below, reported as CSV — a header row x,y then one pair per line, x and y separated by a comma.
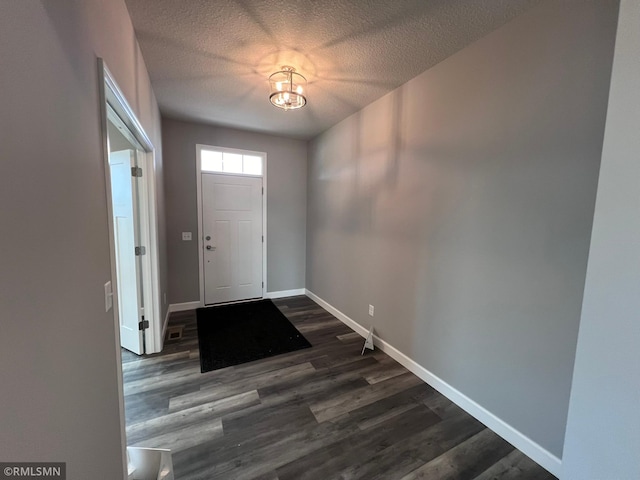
x,y
232,237
123,190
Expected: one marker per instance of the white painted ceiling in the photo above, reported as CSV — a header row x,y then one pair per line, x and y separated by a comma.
x,y
209,60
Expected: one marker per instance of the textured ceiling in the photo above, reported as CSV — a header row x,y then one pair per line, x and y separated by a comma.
x,y
209,61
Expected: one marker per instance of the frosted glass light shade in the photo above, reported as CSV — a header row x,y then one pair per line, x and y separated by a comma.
x,y
288,89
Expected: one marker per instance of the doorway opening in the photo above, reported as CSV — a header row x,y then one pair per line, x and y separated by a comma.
x,y
133,233
125,155
232,241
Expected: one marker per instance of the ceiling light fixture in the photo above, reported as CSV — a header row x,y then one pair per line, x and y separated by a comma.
x,y
288,89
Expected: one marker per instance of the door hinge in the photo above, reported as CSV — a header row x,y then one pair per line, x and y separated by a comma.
x,y
136,171
143,324
262,284
141,251
262,238
263,190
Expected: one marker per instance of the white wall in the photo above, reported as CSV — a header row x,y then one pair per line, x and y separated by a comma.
x,y
603,428
59,390
461,206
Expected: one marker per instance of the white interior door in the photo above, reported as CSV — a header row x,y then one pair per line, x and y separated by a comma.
x,y
123,191
232,237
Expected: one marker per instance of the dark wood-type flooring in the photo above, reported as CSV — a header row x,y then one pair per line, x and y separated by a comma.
x,y
320,413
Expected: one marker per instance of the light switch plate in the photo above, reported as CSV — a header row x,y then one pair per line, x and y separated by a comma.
x,y
186,236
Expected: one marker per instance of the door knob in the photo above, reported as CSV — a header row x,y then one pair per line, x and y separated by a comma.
x,y
209,247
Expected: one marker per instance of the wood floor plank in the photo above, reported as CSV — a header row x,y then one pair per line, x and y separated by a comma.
x,y
323,413
143,385
335,407
383,417
413,451
385,374
385,408
350,337
330,461
465,460
190,416
320,385
442,405
144,363
184,438
264,451
516,465
209,394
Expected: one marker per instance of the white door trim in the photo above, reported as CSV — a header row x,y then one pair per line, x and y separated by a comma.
x,y
151,260
199,148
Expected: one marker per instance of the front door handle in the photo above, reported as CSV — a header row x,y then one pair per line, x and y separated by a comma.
x,y
210,248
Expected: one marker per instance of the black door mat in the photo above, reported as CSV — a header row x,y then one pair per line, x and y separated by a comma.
x,y
244,332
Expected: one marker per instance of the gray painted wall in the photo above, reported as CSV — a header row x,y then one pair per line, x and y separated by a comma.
x,y
59,386
286,203
603,428
461,205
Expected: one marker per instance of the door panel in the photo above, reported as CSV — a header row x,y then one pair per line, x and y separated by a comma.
x,y
245,262
232,218
123,192
232,197
222,262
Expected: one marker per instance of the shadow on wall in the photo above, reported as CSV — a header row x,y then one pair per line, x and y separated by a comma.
x,y
360,169
356,170
66,20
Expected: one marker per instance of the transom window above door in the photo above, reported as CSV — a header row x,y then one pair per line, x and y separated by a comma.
x,y
232,161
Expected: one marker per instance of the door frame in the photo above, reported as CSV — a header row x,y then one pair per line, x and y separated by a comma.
x,y
199,148
111,96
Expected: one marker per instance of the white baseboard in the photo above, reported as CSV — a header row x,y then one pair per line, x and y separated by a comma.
x,y
523,443
181,307
159,342
352,324
285,293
